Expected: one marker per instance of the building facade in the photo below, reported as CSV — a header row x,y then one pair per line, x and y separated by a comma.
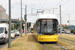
x,y
3,14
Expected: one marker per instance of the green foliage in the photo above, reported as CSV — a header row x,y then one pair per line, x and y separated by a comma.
x,y
16,26
16,44
74,27
18,22
72,30
23,21
66,27
58,28
12,27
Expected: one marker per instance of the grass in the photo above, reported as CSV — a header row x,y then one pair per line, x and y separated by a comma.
x,y
67,36
50,47
68,44
29,43
24,43
53,47
16,44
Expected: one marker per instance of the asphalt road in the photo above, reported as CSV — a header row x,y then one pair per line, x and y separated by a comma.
x,y
2,45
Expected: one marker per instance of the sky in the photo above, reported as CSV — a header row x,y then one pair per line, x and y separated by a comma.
x,y
67,7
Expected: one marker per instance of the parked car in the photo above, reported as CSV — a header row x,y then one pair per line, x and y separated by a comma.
x,y
62,31
13,35
58,31
4,31
67,31
74,32
23,31
16,32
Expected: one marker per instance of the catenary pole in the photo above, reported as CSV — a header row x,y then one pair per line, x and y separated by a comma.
x,y
60,21
9,38
21,19
26,19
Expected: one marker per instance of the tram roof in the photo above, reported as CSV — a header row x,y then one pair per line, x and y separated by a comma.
x,y
47,16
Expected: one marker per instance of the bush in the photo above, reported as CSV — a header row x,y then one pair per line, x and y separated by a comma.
x,y
66,27
12,27
72,30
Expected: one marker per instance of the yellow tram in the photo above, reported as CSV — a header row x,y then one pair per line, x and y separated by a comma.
x,y
31,30
45,28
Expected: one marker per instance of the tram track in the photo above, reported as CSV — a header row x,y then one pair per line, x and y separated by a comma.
x,y
72,42
67,39
62,47
55,47
45,47
48,44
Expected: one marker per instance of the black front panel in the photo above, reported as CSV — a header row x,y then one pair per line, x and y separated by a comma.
x,y
47,26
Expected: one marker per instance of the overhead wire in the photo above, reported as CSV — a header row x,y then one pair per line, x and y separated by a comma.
x,y
53,6
46,0
64,3
57,3
43,3
40,3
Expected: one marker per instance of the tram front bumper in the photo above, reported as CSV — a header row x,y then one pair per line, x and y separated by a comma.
x,y
48,38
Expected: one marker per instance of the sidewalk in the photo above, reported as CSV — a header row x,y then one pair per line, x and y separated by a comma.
x,y
24,43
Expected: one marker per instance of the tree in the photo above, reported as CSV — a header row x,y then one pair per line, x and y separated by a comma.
x,y
23,21
12,27
66,27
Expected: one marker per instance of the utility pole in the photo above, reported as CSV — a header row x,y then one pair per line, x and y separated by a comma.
x,y
9,41
26,19
60,21
21,19
28,27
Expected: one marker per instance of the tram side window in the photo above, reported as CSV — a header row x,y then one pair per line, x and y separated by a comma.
x,y
38,26
55,26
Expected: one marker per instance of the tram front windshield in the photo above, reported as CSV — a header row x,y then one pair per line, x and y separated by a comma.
x,y
31,29
48,26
